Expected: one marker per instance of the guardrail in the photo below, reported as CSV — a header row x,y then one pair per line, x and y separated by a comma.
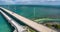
x,y
18,27
32,24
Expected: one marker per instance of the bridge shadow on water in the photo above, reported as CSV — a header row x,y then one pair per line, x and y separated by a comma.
x,y
20,22
14,18
9,25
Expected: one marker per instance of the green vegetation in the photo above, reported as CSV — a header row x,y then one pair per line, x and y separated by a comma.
x,y
48,25
45,21
49,20
56,26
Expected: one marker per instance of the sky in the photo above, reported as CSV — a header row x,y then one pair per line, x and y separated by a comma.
x,y
29,2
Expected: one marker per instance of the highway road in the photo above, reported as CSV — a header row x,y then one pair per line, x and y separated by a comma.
x,y
32,24
18,27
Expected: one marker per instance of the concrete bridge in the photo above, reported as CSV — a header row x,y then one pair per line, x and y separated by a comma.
x,y
18,27
30,23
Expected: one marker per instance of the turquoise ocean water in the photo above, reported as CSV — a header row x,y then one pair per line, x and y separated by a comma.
x,y
30,12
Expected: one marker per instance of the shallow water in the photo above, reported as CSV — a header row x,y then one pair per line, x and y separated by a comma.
x,y
4,25
35,11
29,12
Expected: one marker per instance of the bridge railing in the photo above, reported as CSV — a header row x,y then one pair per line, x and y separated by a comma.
x,y
18,27
32,24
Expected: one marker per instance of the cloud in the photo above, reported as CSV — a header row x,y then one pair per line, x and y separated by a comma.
x,y
3,2
37,2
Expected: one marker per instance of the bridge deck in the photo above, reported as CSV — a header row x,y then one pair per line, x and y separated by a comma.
x,y
30,23
17,26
